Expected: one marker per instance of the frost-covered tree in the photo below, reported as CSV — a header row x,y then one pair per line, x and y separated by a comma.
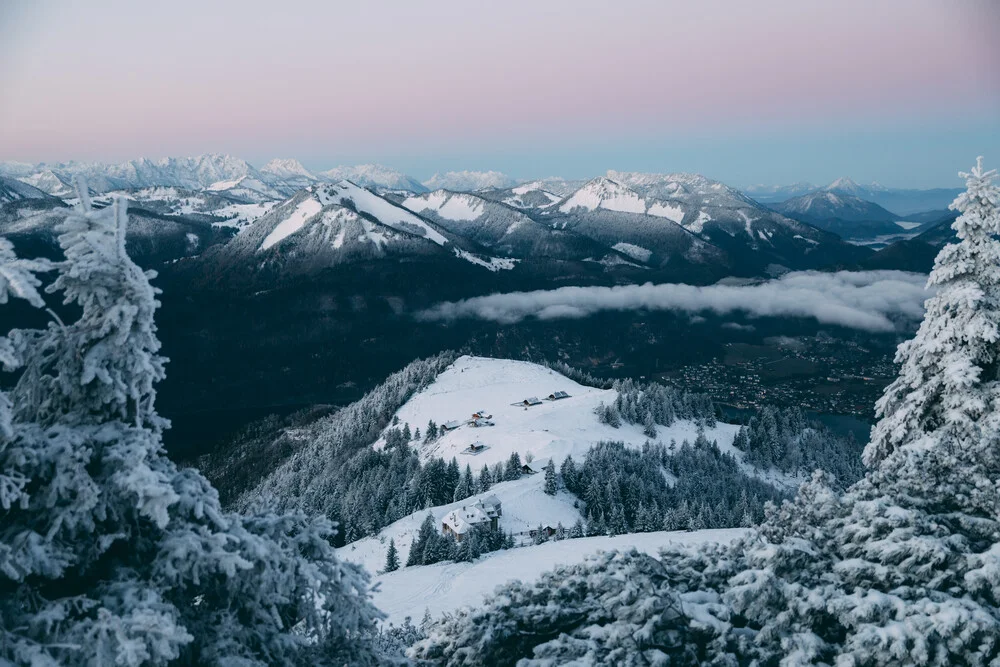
x,y
904,568
949,368
614,609
485,479
391,557
466,486
110,554
550,478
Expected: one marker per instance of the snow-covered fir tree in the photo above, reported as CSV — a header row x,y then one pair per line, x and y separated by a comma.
x,y
391,557
109,553
550,486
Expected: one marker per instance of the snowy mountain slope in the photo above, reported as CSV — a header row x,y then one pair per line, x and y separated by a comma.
x,y
151,239
502,229
658,239
329,225
446,587
560,186
189,172
529,196
829,205
51,183
312,231
468,181
366,202
900,201
246,188
604,193
706,206
374,176
221,208
12,190
287,175
775,193
524,505
15,169
553,429
843,214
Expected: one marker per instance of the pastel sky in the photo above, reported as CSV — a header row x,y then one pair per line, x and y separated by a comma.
x,y
903,91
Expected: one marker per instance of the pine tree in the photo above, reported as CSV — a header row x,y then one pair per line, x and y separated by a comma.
x,y
513,469
906,564
485,479
391,557
464,489
568,473
550,478
949,368
649,426
426,533
110,554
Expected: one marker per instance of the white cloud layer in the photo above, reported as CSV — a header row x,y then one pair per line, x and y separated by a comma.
x,y
867,300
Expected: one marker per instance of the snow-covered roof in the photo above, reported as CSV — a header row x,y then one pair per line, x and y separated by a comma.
x,y
452,424
531,400
461,520
491,501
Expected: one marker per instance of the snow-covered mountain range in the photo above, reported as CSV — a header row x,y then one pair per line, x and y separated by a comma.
x,y
469,181
899,201
684,224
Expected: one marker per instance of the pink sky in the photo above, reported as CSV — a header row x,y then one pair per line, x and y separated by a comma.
x,y
114,79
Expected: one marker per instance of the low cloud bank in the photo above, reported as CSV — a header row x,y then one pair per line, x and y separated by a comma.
x,y
868,300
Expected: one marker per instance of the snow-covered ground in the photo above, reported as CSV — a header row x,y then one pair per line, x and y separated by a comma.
x,y
549,430
524,506
553,429
445,587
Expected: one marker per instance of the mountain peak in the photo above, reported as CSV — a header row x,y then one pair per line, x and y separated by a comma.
x,y
286,168
375,176
468,181
844,184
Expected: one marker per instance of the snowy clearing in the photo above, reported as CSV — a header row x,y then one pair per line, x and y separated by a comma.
x,y
445,587
552,429
293,223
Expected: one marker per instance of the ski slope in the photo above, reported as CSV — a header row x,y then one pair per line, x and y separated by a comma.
x,y
445,587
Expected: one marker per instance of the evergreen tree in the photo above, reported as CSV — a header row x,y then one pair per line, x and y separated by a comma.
x,y
550,478
464,489
649,426
452,477
391,557
426,533
568,472
513,469
109,553
485,479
